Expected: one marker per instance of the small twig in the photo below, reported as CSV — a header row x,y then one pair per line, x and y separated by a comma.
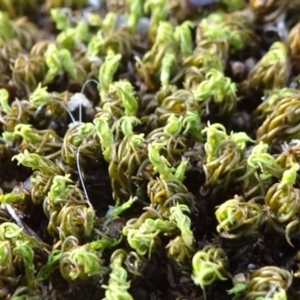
x,y
14,213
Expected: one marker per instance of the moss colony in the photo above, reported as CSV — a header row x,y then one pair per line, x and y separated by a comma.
x,y
150,150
